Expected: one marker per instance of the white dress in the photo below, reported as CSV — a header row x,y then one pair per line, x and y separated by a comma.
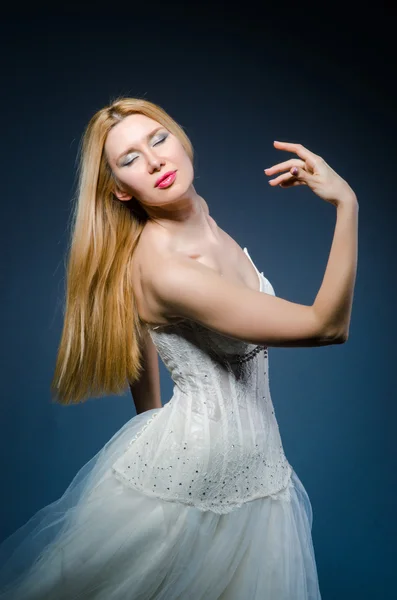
x,y
192,501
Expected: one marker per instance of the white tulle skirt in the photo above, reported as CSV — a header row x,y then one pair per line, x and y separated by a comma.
x,y
102,540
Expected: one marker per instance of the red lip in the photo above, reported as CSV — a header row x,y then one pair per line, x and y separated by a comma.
x,y
160,179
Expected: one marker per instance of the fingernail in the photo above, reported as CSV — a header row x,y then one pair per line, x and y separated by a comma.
x,y
295,171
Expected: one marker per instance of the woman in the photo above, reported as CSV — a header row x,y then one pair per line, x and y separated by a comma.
x,y
195,499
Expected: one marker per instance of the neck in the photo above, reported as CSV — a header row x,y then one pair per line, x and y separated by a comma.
x,y
186,223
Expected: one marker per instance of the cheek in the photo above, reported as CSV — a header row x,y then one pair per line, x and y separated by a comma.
x,y
189,169
133,179
183,162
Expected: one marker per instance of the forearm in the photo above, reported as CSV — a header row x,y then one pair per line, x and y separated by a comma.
x,y
334,300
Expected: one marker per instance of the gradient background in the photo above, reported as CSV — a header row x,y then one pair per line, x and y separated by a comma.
x,y
235,81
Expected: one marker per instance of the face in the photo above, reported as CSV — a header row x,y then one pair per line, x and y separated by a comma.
x,y
139,150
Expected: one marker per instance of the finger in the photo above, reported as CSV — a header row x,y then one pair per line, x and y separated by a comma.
x,y
293,162
300,177
291,183
300,150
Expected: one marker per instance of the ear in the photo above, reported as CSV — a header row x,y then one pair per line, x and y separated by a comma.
x,y
121,195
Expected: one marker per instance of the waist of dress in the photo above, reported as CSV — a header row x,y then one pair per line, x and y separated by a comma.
x,y
218,477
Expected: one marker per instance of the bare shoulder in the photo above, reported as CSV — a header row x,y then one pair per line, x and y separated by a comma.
x,y
150,256
155,258
157,261
173,286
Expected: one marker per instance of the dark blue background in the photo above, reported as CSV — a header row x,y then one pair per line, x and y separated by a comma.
x,y
235,80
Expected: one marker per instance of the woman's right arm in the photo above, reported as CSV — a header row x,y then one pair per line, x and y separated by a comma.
x,y
183,287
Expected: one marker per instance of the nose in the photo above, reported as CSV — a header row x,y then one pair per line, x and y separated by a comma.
x,y
154,161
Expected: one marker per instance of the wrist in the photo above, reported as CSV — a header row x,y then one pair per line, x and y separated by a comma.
x,y
349,200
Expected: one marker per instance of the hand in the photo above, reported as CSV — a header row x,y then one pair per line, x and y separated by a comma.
x,y
313,171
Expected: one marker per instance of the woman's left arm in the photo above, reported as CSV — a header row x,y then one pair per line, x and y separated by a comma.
x,y
146,390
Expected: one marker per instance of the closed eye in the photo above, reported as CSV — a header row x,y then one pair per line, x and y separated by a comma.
x,y
126,164
160,141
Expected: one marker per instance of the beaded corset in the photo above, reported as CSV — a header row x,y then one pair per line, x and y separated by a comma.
x,y
216,444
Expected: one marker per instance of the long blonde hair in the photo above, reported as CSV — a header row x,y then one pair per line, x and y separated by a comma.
x,y
100,347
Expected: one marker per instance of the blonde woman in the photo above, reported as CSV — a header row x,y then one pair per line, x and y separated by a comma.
x,y
195,499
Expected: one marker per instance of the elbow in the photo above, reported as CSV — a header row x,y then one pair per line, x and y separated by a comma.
x,y
335,337
341,337
334,333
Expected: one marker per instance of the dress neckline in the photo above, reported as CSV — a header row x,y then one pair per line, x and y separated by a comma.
x,y
256,270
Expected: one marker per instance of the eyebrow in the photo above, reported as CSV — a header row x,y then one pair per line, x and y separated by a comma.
x,y
149,135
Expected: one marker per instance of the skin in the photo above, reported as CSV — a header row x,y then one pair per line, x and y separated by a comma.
x,y
178,209
177,213
179,219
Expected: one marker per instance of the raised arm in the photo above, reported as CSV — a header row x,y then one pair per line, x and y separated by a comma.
x,y
334,300
183,287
